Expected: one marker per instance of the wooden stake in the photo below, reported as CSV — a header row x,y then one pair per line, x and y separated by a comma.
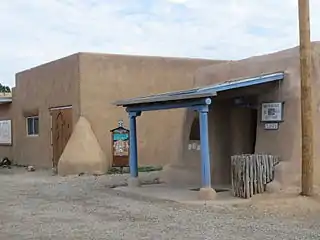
x,y
306,99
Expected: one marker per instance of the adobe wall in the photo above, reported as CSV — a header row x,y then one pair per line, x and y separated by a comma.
x,y
6,114
286,142
37,90
107,78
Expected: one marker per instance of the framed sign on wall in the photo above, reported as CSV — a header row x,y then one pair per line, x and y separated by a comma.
x,y
5,132
272,112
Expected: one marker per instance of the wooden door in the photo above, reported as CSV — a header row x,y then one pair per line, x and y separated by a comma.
x,y
61,131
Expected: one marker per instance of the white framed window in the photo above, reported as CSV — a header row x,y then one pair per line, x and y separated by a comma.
x,y
32,124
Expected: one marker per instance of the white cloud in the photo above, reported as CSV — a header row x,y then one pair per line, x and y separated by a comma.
x,y
36,31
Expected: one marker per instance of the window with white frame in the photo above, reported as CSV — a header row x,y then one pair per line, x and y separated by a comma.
x,y
32,126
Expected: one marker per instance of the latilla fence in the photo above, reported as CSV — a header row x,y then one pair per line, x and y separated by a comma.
x,y
250,173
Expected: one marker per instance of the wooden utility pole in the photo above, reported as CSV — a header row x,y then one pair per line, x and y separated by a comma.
x,y
306,99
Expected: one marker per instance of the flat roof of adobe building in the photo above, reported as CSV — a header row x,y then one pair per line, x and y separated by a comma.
x,y
75,55
125,56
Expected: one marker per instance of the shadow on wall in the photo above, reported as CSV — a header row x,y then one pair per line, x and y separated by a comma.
x,y
232,130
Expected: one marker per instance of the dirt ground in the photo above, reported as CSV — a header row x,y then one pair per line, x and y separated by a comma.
x,y
36,205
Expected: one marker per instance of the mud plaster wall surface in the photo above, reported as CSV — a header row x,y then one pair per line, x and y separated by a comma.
x,y
50,85
286,142
107,78
225,138
6,114
82,153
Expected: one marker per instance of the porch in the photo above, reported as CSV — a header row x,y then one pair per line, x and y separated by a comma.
x,y
198,100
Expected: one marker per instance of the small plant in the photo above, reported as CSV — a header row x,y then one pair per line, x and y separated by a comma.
x,y
115,170
149,169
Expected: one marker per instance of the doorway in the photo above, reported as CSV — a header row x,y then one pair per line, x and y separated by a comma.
x,y
232,131
243,130
61,130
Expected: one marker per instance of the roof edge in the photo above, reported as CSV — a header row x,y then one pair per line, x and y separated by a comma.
x,y
153,56
202,92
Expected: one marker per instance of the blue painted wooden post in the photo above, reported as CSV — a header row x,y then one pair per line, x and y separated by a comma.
x,y
205,149
133,157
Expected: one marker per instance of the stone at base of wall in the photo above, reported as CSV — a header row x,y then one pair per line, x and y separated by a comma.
x,y
287,174
273,187
134,182
207,194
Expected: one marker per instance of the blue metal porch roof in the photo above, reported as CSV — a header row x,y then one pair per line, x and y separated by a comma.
x,y
203,92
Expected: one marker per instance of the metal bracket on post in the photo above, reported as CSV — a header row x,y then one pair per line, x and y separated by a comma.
x,y
202,107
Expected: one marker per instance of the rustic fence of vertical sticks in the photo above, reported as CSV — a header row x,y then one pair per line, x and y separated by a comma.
x,y
250,173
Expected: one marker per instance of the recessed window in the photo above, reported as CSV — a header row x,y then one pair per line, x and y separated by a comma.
x,y
33,126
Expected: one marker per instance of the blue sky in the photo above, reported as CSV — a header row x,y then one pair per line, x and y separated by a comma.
x,y
37,31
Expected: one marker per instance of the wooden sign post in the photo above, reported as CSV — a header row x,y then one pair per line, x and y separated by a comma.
x,y
120,146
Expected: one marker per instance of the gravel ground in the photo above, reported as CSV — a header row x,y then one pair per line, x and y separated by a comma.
x,y
39,206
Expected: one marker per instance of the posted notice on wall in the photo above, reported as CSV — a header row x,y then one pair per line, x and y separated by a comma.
x,y
272,112
5,132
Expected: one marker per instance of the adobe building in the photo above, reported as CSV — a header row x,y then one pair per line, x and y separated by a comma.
x,y
254,107
6,113
61,111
